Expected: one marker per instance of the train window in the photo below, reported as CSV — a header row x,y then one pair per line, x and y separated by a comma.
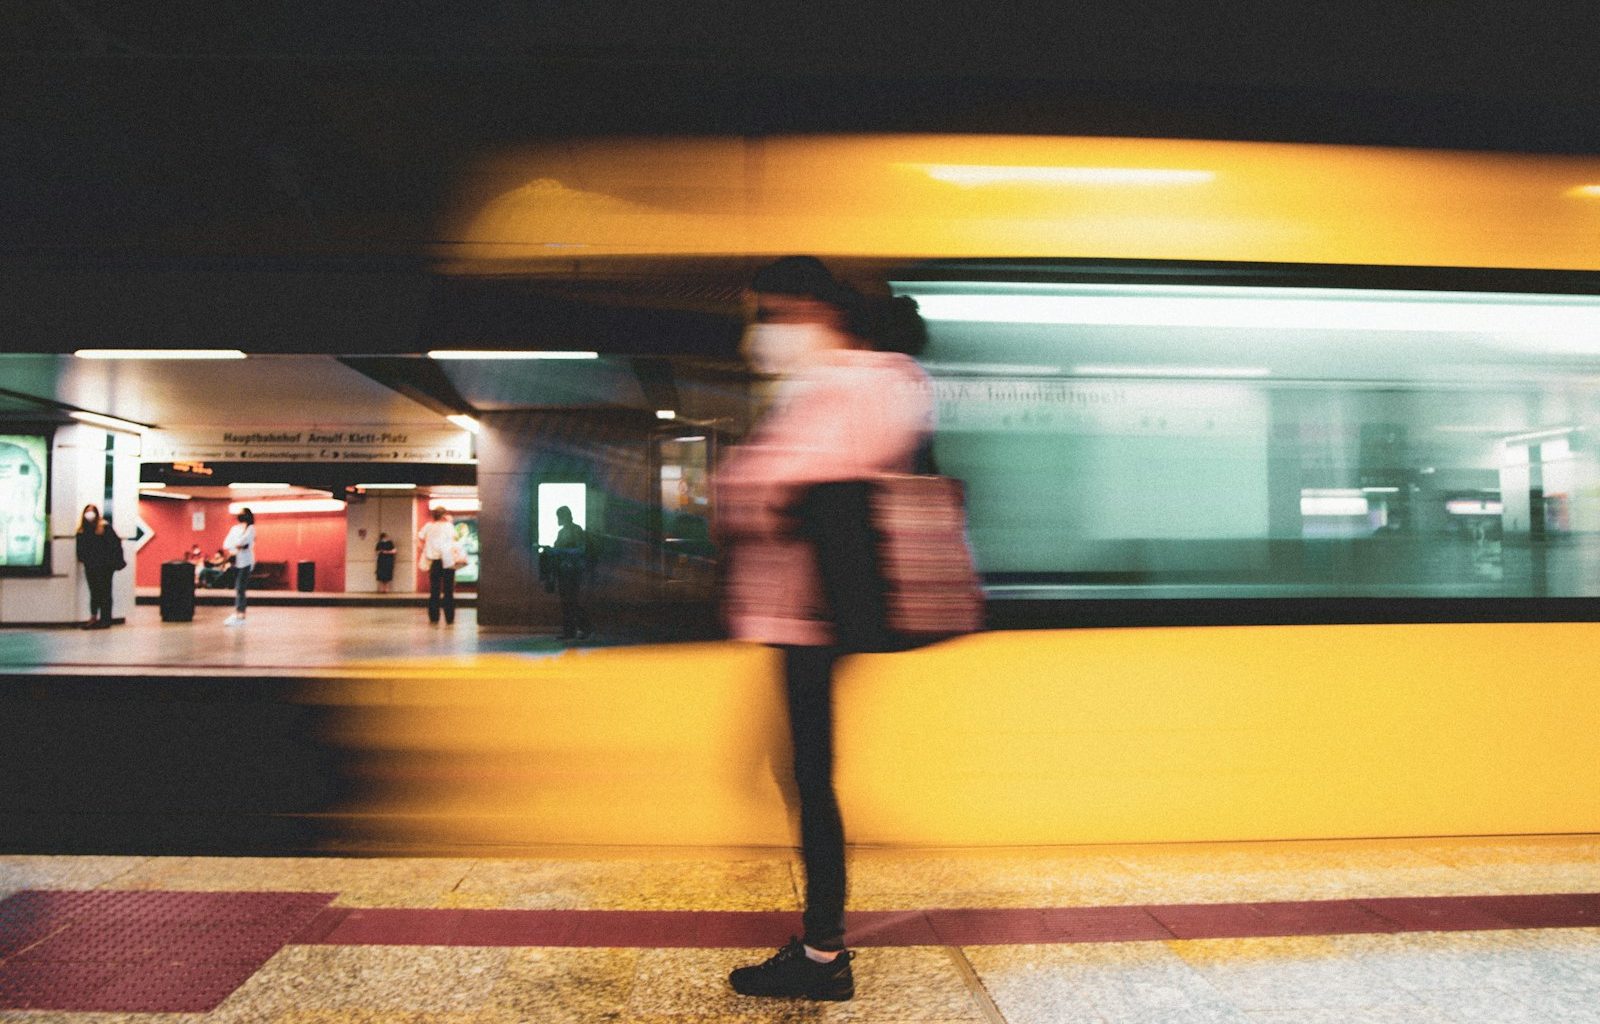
x,y
1191,441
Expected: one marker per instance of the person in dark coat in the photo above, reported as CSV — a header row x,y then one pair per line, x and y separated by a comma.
x,y
100,551
571,552
386,552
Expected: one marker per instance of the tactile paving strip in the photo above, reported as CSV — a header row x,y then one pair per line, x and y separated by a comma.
x,y
141,952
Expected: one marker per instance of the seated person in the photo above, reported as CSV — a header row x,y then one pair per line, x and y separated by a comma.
x,y
212,572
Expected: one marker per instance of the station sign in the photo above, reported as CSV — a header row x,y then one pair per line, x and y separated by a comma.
x,y
309,444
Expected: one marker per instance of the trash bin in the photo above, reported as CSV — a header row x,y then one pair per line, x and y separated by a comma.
x,y
177,592
306,577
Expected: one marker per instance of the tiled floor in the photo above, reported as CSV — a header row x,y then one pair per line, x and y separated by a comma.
x,y
1463,930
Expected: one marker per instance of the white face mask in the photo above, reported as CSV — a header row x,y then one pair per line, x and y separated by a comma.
x,y
90,517
778,350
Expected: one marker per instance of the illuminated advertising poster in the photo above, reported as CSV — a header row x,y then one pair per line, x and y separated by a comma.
x,y
24,494
467,537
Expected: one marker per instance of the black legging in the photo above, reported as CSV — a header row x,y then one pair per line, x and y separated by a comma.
x,y
99,593
808,675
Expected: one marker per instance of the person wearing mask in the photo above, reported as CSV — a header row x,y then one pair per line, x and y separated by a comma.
x,y
386,552
241,544
571,551
436,549
838,411
99,549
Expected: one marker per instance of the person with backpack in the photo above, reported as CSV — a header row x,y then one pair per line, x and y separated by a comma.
x,y
841,409
571,555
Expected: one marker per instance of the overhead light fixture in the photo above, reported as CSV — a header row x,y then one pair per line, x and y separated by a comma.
x,y
1539,435
992,369
386,487
1333,501
1380,490
159,353
173,495
666,414
152,486
1171,371
1268,309
258,487
465,422
109,422
690,437
455,504
492,354
286,505
1585,192
973,175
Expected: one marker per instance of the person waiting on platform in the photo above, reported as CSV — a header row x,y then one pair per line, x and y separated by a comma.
x,y
436,548
99,549
215,567
241,544
570,555
386,552
840,411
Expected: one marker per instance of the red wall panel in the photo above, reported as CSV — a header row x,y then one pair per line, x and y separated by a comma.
x,y
301,537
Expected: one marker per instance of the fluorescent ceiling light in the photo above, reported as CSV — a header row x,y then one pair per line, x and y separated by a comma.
x,y
691,437
972,175
152,487
1585,192
477,354
666,414
1539,435
174,495
159,353
1380,490
258,487
465,422
1171,371
287,505
1330,309
109,422
993,369
455,504
387,487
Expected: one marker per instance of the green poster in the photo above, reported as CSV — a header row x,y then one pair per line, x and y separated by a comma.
x,y
24,486
467,537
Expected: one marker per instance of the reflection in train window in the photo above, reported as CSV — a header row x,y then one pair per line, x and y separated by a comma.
x,y
1139,440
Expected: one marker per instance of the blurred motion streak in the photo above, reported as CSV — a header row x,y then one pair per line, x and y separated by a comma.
x,y
1047,737
1017,196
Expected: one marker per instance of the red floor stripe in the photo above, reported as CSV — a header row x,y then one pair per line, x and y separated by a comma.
x,y
704,929
177,952
141,952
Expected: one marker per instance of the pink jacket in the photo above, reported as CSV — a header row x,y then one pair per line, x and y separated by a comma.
x,y
852,414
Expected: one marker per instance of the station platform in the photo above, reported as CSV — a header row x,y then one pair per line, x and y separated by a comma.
x,y
1400,932
351,815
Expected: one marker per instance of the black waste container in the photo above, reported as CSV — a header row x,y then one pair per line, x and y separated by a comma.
x,y
177,592
306,577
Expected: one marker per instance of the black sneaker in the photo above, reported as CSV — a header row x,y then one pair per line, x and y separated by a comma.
x,y
789,973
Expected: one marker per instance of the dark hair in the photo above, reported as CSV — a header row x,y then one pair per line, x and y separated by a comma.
x,y
806,277
891,323
247,517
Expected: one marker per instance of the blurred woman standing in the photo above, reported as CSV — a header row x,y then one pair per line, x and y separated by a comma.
x,y
839,411
100,552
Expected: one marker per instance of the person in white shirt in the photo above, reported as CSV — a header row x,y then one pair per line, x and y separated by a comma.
x,y
241,544
435,549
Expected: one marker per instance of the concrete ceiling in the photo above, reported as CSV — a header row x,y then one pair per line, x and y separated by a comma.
x,y
260,391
